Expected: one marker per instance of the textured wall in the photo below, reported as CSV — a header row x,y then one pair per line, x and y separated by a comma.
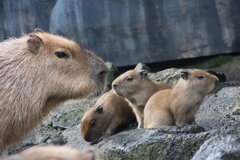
x,y
129,31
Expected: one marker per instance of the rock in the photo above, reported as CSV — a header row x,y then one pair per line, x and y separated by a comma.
x,y
163,143
169,76
216,110
219,148
128,32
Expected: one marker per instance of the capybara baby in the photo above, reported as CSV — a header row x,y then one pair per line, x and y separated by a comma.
x,y
52,153
39,71
135,86
104,118
179,105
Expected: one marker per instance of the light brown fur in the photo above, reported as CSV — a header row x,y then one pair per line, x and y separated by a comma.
x,y
105,117
179,105
52,153
135,86
33,80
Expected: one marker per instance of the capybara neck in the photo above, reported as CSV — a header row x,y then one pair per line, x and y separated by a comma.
x,y
143,93
184,89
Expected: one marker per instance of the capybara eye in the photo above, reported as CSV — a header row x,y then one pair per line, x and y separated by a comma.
x,y
200,77
61,54
129,78
92,123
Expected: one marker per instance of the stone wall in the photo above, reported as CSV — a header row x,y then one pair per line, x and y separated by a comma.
x,y
130,31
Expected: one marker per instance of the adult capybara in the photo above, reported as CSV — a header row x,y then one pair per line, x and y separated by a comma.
x,y
135,86
104,118
179,105
52,153
39,71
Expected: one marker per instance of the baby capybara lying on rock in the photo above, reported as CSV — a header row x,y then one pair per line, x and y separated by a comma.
x,y
38,72
106,117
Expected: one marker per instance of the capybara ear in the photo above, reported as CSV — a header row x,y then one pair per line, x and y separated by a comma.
x,y
34,42
184,75
89,107
38,30
143,74
141,66
99,109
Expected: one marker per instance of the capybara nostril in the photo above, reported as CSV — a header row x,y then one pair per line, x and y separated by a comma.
x,y
114,86
102,73
87,138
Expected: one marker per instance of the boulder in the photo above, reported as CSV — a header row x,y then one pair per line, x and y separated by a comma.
x,y
219,148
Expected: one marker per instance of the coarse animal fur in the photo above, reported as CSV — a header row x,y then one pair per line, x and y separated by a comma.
x,y
38,72
104,118
52,153
179,105
135,86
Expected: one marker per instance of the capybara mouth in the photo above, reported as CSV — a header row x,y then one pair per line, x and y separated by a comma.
x,y
118,92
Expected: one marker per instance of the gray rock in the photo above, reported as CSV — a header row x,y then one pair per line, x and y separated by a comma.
x,y
169,76
219,148
146,144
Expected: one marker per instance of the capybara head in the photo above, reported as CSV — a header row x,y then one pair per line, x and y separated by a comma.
x,y
94,123
199,80
71,70
131,81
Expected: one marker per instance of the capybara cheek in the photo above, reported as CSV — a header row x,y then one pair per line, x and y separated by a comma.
x,y
99,76
99,71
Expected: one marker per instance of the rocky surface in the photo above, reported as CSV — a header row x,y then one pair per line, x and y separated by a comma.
x,y
215,118
219,148
128,32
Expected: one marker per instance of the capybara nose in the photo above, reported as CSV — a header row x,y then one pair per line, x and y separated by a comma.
x,y
87,138
114,86
101,70
216,82
102,73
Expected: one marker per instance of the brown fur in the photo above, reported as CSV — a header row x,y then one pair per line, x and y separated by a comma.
x,y
135,86
179,105
33,80
52,153
104,118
